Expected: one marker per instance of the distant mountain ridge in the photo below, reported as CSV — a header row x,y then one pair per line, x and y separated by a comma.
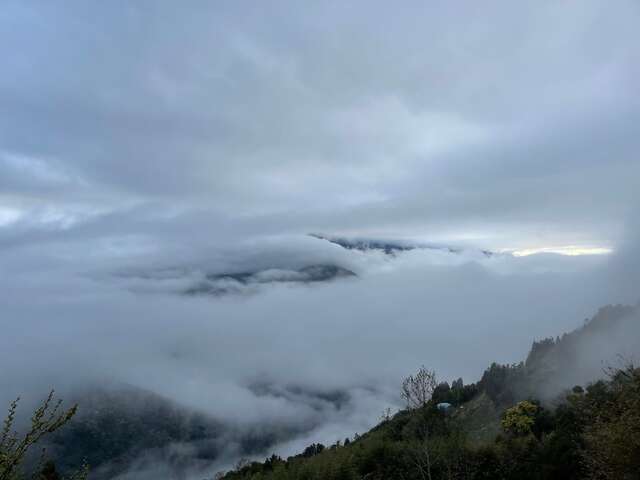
x,y
122,427
252,274
225,283
194,282
389,247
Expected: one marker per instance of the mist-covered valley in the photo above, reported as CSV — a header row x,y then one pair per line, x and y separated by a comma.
x,y
194,382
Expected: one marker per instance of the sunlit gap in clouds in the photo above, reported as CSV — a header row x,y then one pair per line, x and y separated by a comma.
x,y
571,250
8,216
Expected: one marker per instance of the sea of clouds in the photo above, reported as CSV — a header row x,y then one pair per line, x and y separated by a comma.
x,y
275,355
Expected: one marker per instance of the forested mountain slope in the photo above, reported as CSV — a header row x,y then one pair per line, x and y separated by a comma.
x,y
509,425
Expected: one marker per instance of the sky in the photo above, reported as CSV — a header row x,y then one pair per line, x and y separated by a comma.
x,y
144,137
506,126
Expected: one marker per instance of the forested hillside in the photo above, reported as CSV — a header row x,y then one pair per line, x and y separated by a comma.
x,y
505,426
528,420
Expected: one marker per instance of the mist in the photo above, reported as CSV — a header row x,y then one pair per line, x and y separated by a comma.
x,y
320,360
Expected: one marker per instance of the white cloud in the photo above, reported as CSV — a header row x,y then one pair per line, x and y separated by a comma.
x,y
9,216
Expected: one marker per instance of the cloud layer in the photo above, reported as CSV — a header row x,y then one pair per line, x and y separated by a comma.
x,y
503,126
321,359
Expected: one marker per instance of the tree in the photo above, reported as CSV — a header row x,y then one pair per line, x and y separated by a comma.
x,y
612,434
49,472
417,389
420,455
241,464
442,393
386,415
312,450
14,447
519,419
425,436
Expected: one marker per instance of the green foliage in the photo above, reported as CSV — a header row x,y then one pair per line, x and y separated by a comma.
x,y
594,434
519,419
117,424
455,394
14,447
612,432
49,471
504,384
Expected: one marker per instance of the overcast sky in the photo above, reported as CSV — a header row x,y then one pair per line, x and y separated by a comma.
x,y
499,124
141,135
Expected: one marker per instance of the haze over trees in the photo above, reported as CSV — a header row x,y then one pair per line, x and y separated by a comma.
x,y
527,420
592,434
